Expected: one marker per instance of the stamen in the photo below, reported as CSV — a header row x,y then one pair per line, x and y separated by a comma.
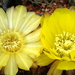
x,y
11,40
64,43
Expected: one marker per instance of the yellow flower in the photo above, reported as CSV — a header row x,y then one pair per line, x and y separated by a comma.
x,y
58,39
19,39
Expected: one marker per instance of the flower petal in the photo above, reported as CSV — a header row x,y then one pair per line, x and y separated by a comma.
x,y
51,55
65,58
9,13
23,61
11,67
46,44
53,69
18,16
57,72
3,20
43,60
65,19
72,53
33,49
66,65
51,26
30,22
62,11
33,37
67,24
49,29
4,57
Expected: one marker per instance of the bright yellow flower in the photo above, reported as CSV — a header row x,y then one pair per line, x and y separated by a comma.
x,y
58,39
19,39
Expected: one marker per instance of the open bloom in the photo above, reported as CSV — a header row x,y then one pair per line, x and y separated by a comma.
x,y
58,39
19,39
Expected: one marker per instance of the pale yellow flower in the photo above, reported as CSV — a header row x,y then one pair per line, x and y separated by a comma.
x,y
19,39
58,39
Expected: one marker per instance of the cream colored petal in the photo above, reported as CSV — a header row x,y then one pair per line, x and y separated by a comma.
x,y
31,22
4,57
11,67
3,20
33,49
33,37
23,61
9,13
18,16
43,60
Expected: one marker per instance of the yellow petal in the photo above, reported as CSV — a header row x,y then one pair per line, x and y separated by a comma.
x,y
53,69
18,16
49,30
72,53
23,61
46,31
53,51
11,67
43,60
51,55
57,72
31,22
65,58
9,13
3,20
4,57
65,19
46,44
33,37
33,49
61,11
66,65
67,23
51,26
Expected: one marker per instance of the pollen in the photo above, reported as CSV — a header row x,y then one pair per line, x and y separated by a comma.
x,y
11,40
65,42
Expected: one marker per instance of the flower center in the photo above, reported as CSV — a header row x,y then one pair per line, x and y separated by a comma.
x,y
65,42
11,40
